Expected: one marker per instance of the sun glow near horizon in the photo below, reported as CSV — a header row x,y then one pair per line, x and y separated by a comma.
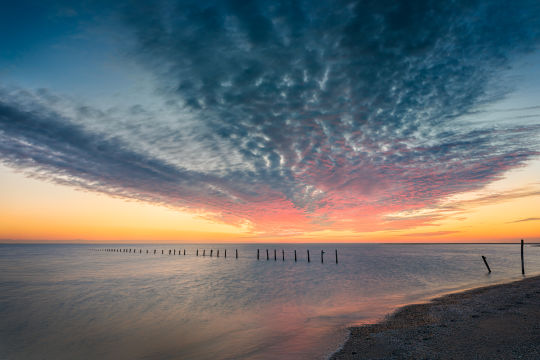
x,y
33,210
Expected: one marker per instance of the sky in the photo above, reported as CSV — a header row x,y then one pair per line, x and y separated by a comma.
x,y
264,121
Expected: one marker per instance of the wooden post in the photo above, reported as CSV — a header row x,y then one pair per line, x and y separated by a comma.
x,y
225,252
336,257
184,251
217,252
155,251
485,262
174,252
236,253
275,257
204,252
322,256
522,262
197,252
267,254
308,259
282,255
161,251
257,254
294,255
211,251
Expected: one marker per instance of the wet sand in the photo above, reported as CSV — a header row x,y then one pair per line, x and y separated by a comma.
x,y
494,322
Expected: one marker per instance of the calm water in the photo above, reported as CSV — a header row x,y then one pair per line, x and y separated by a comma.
x,y
70,302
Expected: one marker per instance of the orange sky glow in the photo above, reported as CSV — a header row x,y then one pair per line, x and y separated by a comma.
x,y
34,210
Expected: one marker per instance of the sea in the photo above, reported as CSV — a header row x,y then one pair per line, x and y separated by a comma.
x,y
81,301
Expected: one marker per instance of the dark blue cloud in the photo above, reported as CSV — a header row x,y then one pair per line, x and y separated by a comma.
x,y
327,104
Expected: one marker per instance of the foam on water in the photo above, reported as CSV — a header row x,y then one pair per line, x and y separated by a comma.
x,y
68,301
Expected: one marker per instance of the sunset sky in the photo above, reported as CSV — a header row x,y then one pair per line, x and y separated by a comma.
x,y
264,121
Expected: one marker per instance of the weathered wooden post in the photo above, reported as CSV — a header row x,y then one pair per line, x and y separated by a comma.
x,y
204,252
197,252
522,262
282,255
184,252
267,258
174,252
236,250
336,257
257,254
161,251
308,259
275,257
322,256
225,253
294,255
485,262
217,252
155,251
169,252
211,251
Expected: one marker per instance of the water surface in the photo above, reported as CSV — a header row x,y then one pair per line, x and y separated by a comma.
x,y
71,301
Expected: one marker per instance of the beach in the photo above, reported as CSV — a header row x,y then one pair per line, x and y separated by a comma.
x,y
494,322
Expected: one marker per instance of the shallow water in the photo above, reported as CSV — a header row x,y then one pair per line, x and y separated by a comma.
x,y
71,301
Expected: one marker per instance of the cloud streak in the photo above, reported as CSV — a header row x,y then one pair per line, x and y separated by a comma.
x,y
295,115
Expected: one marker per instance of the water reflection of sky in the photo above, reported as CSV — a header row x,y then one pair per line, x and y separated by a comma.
x,y
69,302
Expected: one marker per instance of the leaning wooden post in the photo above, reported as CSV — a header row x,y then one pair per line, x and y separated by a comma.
x,y
336,257
322,256
236,253
267,258
294,255
485,262
282,255
275,257
522,263
257,254
308,260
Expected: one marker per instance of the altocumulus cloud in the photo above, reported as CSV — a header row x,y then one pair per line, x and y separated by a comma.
x,y
294,114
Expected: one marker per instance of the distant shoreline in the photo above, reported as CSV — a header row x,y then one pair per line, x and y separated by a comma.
x,y
499,321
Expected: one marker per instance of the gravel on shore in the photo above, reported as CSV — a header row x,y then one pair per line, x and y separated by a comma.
x,y
494,322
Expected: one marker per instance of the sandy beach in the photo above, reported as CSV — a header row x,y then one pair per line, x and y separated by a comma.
x,y
494,322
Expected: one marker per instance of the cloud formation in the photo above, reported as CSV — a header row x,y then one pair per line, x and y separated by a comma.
x,y
295,114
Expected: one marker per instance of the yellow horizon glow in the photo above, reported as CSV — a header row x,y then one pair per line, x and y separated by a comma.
x,y
34,210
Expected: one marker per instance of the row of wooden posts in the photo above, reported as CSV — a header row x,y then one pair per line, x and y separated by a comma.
x,y
295,256
173,252
522,260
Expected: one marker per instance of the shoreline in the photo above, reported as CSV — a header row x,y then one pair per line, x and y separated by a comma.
x,y
500,321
